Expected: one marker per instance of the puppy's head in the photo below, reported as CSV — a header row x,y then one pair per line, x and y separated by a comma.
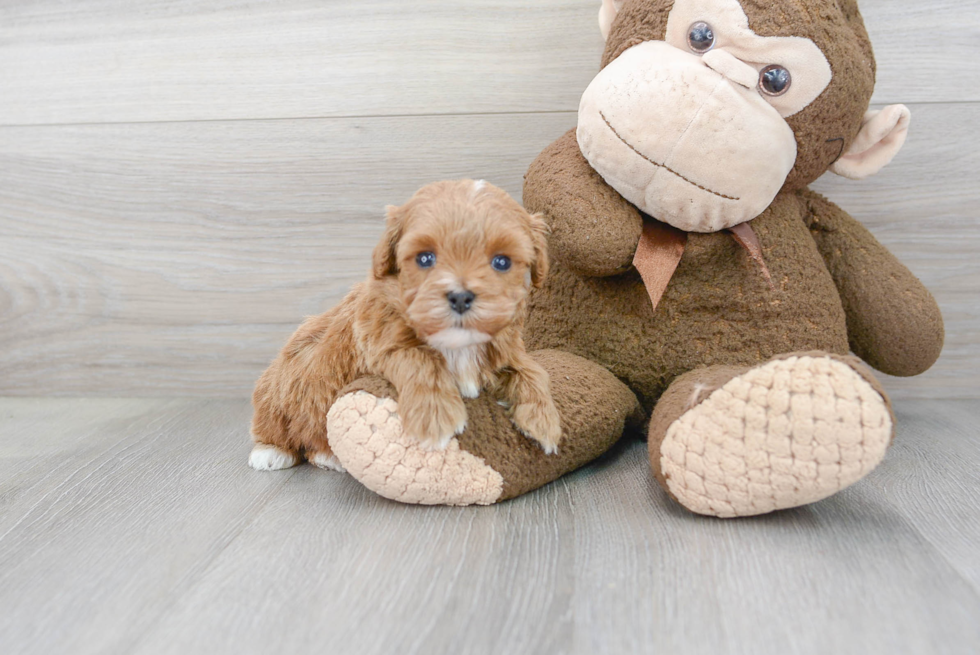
x,y
465,255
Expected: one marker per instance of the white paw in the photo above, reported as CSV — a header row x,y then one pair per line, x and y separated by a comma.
x,y
442,443
270,458
329,462
469,389
550,449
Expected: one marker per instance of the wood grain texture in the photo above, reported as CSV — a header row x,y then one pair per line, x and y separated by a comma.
x,y
117,506
175,259
93,61
109,61
134,526
930,478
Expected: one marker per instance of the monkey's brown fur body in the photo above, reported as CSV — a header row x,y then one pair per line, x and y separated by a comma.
x,y
836,288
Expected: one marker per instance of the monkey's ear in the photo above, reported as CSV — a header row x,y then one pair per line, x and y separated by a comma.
x,y
539,237
607,13
881,137
384,261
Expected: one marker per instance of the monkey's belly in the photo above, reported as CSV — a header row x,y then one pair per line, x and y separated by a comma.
x,y
717,309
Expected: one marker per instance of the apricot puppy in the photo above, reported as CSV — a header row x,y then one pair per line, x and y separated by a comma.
x,y
440,317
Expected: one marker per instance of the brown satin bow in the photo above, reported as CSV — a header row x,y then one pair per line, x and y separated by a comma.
x,y
662,246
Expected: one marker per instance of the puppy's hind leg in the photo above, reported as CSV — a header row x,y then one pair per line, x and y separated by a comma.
x,y
305,438
270,428
326,461
308,428
266,457
270,454
292,397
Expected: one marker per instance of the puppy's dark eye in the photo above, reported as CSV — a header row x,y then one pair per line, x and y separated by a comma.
x,y
500,263
425,259
700,37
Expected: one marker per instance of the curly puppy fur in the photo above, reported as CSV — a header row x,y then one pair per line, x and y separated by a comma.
x,y
403,324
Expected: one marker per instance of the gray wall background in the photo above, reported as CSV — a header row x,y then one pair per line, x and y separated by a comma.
x,y
181,181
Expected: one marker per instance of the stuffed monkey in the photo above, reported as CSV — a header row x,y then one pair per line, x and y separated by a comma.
x,y
698,288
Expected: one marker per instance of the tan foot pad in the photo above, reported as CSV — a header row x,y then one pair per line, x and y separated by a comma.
x,y
784,434
366,436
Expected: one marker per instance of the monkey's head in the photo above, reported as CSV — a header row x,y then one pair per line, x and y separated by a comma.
x,y
705,110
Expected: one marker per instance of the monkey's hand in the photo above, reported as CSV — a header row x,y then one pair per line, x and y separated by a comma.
x,y
893,322
594,230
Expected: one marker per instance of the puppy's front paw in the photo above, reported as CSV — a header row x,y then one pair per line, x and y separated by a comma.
x,y
539,421
432,418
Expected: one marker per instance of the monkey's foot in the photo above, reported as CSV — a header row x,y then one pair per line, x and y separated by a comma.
x,y
742,441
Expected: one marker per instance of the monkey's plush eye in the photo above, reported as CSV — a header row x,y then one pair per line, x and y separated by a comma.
x,y
700,37
425,259
775,80
500,263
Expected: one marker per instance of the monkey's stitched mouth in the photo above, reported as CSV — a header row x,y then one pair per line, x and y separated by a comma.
x,y
659,165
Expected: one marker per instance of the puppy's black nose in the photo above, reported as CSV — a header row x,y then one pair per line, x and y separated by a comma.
x,y
461,301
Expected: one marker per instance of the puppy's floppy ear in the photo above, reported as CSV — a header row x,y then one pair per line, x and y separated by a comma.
x,y
384,261
539,238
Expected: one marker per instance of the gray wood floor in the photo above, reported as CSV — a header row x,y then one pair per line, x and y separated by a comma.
x,y
134,526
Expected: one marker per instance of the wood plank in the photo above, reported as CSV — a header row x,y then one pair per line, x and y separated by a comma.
x,y
134,526
176,258
42,441
930,476
109,61
369,576
842,575
113,61
110,508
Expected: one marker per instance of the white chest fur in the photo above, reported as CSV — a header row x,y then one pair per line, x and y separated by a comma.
x,y
465,352
464,365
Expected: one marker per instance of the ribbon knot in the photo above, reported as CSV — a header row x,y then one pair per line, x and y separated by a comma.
x,y
662,246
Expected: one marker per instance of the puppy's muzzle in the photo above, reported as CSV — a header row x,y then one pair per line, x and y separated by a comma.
x,y
461,301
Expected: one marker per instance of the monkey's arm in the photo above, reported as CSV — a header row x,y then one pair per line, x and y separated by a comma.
x,y
893,322
594,230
